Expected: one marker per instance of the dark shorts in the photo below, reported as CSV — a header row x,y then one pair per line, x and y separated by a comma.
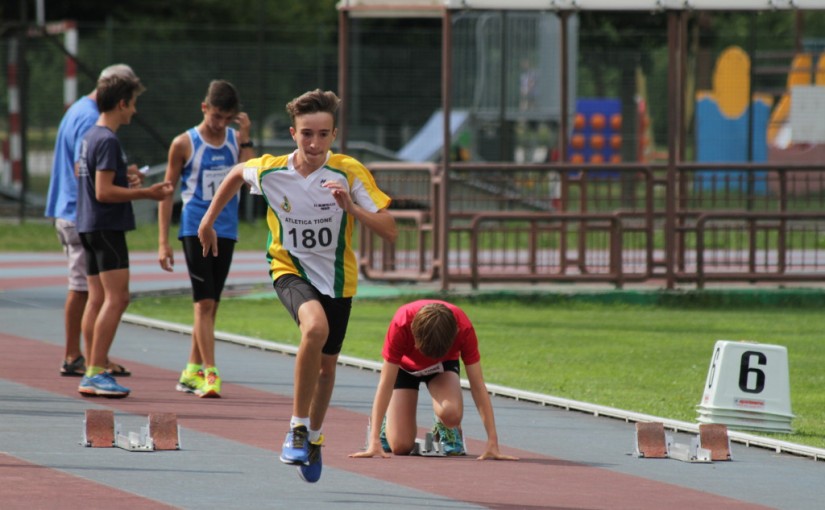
x,y
294,291
408,381
207,274
105,251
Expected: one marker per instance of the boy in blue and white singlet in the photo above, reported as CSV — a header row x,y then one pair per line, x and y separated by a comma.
x,y
200,158
314,198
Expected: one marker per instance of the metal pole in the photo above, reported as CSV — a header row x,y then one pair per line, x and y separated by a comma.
x,y
564,87
343,75
673,126
23,84
446,100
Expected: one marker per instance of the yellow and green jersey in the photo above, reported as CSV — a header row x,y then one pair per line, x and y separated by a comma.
x,y
309,235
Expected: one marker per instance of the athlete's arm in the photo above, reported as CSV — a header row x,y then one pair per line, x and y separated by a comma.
x,y
380,222
244,136
228,189
481,397
383,394
178,154
107,191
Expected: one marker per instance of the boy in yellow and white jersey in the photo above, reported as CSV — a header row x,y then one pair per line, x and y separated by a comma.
x,y
313,198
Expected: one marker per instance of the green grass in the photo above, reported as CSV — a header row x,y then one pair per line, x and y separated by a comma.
x,y
38,234
651,359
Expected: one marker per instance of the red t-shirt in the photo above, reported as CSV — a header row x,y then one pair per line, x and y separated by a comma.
x,y
399,346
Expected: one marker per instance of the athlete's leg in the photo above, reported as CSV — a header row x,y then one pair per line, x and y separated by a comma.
x,y
73,319
203,333
323,391
314,331
90,313
401,426
448,402
115,285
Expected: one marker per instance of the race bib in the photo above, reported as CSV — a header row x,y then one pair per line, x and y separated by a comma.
x,y
434,369
212,178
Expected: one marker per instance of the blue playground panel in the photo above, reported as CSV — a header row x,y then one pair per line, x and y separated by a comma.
x,y
721,139
595,109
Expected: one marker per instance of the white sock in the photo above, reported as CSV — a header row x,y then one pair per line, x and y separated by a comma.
x,y
314,435
295,421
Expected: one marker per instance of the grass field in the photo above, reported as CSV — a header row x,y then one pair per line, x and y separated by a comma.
x,y
619,351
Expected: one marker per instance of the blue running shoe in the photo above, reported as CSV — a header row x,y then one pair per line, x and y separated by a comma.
x,y
296,446
311,471
102,385
451,440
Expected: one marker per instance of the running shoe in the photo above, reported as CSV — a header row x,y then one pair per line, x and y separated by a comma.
x,y
310,472
102,385
211,386
189,382
296,446
451,440
383,436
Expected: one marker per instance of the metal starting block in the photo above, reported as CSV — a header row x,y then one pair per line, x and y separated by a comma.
x,y
134,441
427,447
653,443
689,452
161,433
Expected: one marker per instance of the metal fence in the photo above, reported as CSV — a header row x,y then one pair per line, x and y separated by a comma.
x,y
558,223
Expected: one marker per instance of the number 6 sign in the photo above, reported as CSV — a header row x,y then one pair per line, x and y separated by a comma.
x,y
748,387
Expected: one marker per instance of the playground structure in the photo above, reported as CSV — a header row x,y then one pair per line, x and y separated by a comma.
x,y
473,222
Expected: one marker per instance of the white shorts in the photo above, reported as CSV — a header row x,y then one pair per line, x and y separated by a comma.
x,y
67,234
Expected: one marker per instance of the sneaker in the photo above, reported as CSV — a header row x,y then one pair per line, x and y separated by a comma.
x,y
102,385
296,446
451,441
190,382
310,472
383,436
211,386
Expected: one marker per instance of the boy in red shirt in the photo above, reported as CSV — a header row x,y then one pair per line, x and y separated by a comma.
x,y
424,342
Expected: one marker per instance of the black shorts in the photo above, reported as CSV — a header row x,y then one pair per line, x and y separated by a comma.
x,y
408,381
105,251
293,291
207,274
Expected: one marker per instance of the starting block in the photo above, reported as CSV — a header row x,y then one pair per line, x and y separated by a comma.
x,y
714,437
99,428
161,433
653,443
426,447
651,440
692,452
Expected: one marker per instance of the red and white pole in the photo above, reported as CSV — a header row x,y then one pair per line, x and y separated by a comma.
x,y
70,75
15,121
